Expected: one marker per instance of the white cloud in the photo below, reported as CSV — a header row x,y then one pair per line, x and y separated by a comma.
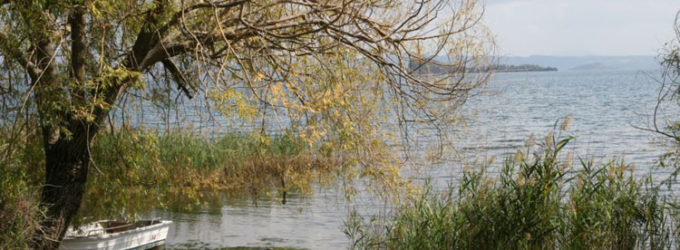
x,y
581,27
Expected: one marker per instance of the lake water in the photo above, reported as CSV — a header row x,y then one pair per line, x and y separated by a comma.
x,y
603,106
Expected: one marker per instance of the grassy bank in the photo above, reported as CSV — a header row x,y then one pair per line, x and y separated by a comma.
x,y
532,202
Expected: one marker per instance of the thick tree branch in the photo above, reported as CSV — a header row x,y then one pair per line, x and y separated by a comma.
x,y
148,35
10,50
78,44
182,82
78,53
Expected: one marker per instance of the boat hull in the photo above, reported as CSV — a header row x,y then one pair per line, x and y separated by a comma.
x,y
138,238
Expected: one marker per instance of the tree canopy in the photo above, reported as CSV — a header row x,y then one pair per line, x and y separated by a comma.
x,y
336,71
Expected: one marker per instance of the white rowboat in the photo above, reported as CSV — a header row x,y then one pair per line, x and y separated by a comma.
x,y
143,234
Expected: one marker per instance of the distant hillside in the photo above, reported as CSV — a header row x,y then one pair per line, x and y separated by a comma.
x,y
592,66
587,62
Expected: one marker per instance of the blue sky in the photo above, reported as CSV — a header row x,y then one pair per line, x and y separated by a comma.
x,y
581,27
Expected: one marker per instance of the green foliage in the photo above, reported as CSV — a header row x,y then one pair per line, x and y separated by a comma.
x,y
529,204
609,208
18,210
18,190
136,171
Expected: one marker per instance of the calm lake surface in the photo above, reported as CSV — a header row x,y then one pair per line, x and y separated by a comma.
x,y
603,106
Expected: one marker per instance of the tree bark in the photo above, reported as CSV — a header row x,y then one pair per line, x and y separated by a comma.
x,y
66,165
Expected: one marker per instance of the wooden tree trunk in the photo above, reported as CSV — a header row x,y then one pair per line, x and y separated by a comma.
x,y
66,165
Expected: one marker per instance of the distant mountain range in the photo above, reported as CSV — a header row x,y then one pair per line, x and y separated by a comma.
x,y
551,63
587,62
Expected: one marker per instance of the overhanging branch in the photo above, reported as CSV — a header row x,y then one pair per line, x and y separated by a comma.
x,y
182,82
14,53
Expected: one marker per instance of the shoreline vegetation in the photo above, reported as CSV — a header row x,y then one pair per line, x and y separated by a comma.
x,y
175,170
188,172
532,202
501,68
435,67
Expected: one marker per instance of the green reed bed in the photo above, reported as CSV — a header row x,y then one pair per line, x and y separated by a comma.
x,y
141,170
182,148
533,202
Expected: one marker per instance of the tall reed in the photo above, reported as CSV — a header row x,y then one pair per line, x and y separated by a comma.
x,y
531,202
182,171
